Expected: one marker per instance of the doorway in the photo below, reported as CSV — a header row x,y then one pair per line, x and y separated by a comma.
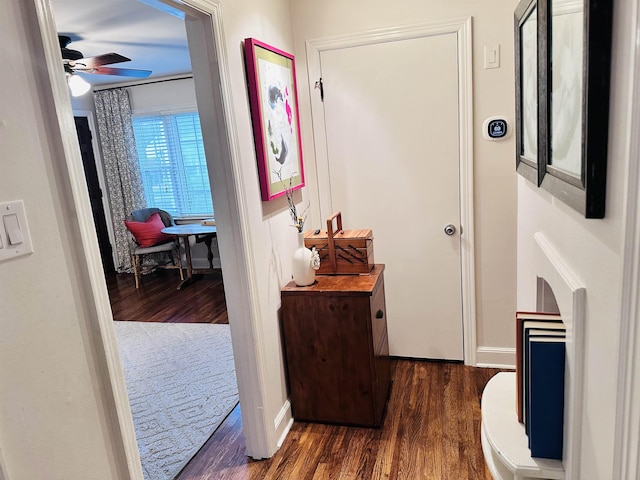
x,y
394,131
206,16
146,316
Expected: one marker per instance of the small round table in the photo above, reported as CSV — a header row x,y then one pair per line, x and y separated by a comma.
x,y
203,233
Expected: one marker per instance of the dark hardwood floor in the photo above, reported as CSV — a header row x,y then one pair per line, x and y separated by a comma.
x,y
157,299
431,429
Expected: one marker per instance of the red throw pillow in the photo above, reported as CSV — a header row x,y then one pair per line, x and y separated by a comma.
x,y
148,234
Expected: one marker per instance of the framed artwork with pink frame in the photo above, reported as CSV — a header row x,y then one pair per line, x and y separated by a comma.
x,y
273,94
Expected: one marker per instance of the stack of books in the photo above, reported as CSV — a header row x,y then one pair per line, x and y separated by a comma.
x,y
540,366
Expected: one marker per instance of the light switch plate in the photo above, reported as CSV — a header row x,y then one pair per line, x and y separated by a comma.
x,y
9,213
491,56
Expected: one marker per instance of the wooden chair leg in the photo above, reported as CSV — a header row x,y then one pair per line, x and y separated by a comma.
x,y
135,261
175,255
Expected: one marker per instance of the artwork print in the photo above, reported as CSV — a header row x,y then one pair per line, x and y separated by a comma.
x,y
566,94
530,87
274,109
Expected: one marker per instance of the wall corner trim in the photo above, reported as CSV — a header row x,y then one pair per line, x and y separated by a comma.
x,y
627,426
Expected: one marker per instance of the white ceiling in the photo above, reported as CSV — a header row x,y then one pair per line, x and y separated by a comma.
x,y
152,39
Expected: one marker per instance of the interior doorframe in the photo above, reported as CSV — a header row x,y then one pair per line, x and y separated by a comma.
x,y
626,463
240,279
461,27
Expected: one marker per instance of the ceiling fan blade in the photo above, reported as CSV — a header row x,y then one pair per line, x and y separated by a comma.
x,y
123,72
104,59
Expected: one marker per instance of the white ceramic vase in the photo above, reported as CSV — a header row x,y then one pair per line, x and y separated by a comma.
x,y
303,272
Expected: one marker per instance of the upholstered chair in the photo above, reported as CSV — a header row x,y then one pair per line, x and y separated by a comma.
x,y
146,238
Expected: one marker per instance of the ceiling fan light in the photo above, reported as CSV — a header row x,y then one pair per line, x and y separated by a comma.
x,y
78,85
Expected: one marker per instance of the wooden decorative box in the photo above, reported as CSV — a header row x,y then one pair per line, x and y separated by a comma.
x,y
342,252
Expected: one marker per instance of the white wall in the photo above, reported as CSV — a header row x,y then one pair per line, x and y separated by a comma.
x,y
57,417
169,96
56,420
593,249
494,163
83,103
271,240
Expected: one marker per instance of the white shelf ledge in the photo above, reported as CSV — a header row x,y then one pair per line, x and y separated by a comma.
x,y
504,441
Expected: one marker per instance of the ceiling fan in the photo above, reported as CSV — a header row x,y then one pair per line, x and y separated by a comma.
x,y
75,62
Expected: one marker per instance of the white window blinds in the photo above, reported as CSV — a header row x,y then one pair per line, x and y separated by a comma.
x,y
173,164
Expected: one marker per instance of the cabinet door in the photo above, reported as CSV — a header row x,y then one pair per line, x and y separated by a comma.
x,y
328,352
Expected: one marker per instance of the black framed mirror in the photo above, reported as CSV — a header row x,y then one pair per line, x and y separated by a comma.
x,y
574,64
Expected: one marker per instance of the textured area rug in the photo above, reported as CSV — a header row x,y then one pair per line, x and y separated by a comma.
x,y
181,384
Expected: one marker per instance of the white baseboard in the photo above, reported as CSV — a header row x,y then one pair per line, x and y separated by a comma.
x,y
496,357
283,422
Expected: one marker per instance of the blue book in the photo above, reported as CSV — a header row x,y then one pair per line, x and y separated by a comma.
x,y
546,396
528,334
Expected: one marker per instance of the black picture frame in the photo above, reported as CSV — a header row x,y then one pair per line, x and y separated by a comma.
x,y
527,58
583,189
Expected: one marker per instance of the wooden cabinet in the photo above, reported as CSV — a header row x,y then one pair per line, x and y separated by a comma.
x,y
337,351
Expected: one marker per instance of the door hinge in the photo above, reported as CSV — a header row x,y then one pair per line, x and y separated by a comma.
x,y
319,85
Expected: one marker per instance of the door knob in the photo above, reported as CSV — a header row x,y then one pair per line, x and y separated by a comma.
x,y
449,229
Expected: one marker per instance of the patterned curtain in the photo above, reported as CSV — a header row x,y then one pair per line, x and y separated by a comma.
x,y
122,171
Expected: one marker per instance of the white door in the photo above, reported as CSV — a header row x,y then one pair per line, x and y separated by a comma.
x,y
391,121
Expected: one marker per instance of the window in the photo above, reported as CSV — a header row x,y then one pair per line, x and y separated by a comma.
x,y
173,164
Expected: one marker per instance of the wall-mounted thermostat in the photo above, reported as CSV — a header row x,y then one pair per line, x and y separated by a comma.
x,y
495,128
